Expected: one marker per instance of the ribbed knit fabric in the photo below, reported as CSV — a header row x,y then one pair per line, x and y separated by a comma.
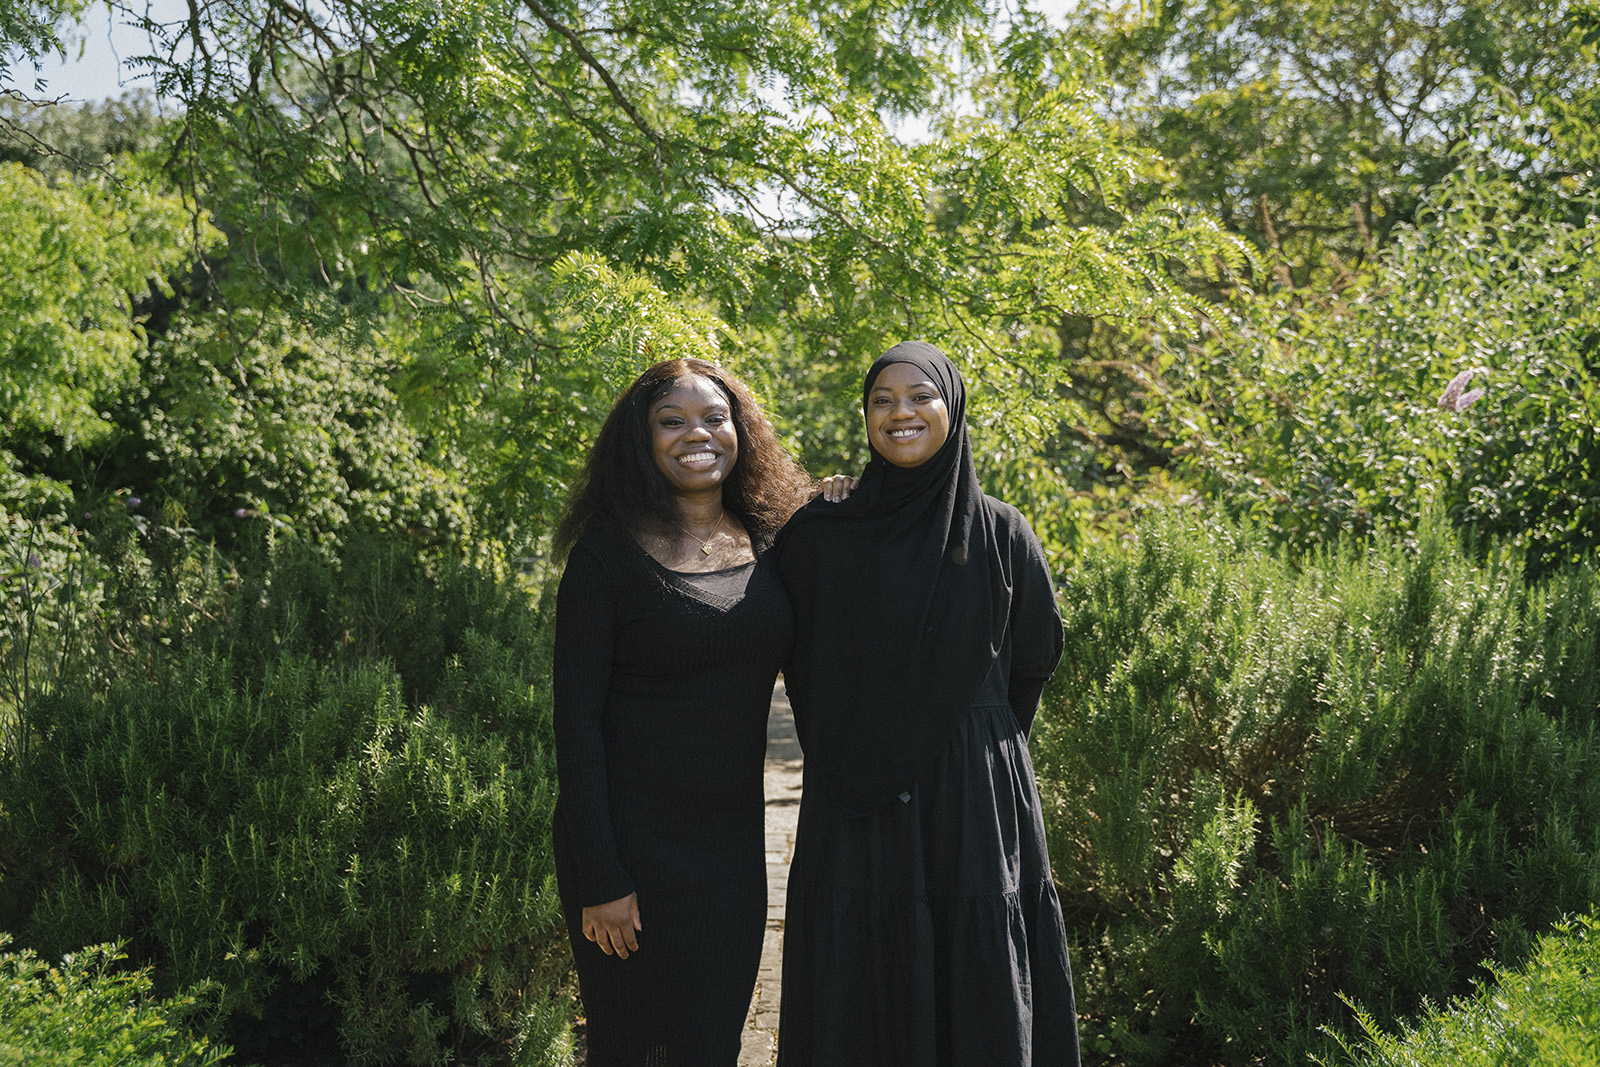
x,y
662,685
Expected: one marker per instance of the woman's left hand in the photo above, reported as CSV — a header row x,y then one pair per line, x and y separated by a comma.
x,y
612,925
836,487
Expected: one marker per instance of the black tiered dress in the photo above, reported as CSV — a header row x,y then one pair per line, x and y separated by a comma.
x,y
927,931
662,685
922,926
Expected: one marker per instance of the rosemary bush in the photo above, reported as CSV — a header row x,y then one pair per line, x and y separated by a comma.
x,y
330,800
1274,783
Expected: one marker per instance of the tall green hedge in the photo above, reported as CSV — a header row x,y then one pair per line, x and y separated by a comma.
x,y
1272,783
328,792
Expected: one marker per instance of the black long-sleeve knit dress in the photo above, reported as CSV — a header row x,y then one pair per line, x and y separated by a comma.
x,y
662,685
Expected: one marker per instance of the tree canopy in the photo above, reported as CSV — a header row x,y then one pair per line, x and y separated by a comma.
x,y
425,171
1316,127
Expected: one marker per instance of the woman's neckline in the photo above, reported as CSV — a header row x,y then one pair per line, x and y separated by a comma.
x,y
638,546
697,574
645,552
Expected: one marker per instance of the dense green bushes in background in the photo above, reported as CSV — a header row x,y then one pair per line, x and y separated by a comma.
x,y
329,796
1271,784
1318,415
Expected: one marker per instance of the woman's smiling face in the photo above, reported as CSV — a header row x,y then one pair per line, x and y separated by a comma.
x,y
907,419
693,436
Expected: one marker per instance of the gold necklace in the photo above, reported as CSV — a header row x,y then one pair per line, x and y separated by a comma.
x,y
705,546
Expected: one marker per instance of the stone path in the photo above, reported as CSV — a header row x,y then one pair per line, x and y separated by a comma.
x,y
783,812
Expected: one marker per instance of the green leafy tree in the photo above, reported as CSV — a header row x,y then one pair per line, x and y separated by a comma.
x,y
74,259
1320,132
1334,416
1316,126
433,150
247,418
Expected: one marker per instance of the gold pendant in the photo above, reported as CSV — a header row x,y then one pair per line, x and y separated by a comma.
x,y
705,550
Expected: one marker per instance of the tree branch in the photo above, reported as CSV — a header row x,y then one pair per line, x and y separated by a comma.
x,y
617,95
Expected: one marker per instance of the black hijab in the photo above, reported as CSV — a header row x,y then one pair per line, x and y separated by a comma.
x,y
901,594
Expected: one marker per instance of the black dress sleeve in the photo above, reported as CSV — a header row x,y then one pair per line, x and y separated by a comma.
x,y
1036,637
794,554
585,642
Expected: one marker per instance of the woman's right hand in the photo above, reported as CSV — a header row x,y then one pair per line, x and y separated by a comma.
x,y
612,925
836,487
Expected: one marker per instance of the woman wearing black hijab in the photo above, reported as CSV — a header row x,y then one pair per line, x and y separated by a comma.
x,y
922,923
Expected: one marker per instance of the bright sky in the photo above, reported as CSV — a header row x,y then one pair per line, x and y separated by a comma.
x,y
94,68
96,50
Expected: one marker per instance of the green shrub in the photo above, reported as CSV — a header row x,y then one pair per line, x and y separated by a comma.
x,y
88,1013
50,587
1317,415
259,418
1273,784
1546,1012
317,830
327,790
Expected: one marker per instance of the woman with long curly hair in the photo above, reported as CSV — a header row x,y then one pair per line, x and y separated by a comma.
x,y
671,626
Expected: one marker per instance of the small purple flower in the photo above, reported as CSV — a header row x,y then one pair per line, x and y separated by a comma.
x,y
34,561
1453,399
88,514
133,501
240,513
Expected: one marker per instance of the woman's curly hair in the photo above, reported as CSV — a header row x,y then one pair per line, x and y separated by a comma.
x,y
620,482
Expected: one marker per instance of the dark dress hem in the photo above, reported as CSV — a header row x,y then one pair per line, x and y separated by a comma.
x,y
928,933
